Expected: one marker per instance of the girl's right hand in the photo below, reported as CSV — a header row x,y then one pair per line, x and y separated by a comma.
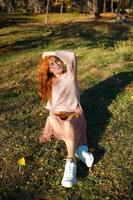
x,y
42,139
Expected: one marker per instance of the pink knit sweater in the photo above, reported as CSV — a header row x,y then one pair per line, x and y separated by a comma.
x,y
65,96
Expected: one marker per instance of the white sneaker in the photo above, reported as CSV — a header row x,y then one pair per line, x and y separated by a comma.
x,y
69,178
83,154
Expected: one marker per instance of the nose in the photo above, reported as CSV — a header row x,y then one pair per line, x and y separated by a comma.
x,y
56,64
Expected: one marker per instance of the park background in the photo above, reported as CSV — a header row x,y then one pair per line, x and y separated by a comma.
x,y
100,32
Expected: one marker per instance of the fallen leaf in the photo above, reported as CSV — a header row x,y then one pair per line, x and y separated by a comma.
x,y
129,88
21,161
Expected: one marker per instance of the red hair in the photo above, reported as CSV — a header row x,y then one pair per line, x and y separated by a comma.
x,y
44,79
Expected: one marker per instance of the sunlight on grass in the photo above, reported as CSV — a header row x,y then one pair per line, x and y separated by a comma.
x,y
105,61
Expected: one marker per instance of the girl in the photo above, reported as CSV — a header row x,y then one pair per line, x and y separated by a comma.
x,y
57,83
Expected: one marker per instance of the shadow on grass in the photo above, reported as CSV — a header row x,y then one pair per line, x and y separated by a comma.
x,y
17,194
91,34
95,102
78,34
12,20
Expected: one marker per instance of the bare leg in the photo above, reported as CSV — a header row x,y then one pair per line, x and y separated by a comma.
x,y
69,177
68,130
70,149
70,143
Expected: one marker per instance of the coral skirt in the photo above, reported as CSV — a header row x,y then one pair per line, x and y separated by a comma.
x,y
72,127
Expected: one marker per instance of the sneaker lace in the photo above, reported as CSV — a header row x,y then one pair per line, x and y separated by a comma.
x,y
69,170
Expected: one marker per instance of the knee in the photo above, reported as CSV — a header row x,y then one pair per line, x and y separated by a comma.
x,y
51,119
54,121
68,126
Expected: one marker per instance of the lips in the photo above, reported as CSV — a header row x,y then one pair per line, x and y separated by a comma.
x,y
58,68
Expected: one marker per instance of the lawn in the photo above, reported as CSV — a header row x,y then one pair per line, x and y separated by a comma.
x,y
104,52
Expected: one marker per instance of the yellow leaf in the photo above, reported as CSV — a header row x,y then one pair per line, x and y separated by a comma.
x,y
21,161
131,97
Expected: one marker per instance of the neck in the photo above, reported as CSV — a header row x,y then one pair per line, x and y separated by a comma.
x,y
57,75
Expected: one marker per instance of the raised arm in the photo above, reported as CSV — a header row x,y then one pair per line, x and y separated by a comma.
x,y
67,57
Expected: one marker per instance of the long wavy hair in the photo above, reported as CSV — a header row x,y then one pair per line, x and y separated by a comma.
x,y
44,78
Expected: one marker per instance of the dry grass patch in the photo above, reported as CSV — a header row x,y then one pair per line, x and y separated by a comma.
x,y
95,71
113,66
103,73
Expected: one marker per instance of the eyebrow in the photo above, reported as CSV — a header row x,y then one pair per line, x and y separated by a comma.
x,y
51,62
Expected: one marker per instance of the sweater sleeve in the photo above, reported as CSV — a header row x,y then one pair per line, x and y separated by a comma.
x,y
69,58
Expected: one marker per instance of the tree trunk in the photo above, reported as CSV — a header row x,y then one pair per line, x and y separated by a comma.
x,y
104,6
3,5
121,17
10,7
119,6
47,8
89,6
61,8
95,9
112,3
25,8
71,5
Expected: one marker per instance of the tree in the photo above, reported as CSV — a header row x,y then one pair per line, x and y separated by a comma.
x,y
121,13
61,8
47,10
3,5
89,6
112,3
104,6
95,9
11,5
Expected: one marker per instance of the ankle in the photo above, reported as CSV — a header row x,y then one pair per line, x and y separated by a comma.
x,y
72,159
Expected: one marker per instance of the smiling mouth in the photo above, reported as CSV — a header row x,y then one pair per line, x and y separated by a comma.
x,y
58,68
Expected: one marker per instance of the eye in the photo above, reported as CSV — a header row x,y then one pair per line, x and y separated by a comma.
x,y
57,61
51,64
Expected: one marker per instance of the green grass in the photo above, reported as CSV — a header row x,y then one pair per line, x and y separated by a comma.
x,y
104,51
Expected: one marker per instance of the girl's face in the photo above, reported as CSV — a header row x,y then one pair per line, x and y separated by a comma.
x,y
55,65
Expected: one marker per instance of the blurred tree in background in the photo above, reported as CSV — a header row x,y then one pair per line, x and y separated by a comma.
x,y
94,7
